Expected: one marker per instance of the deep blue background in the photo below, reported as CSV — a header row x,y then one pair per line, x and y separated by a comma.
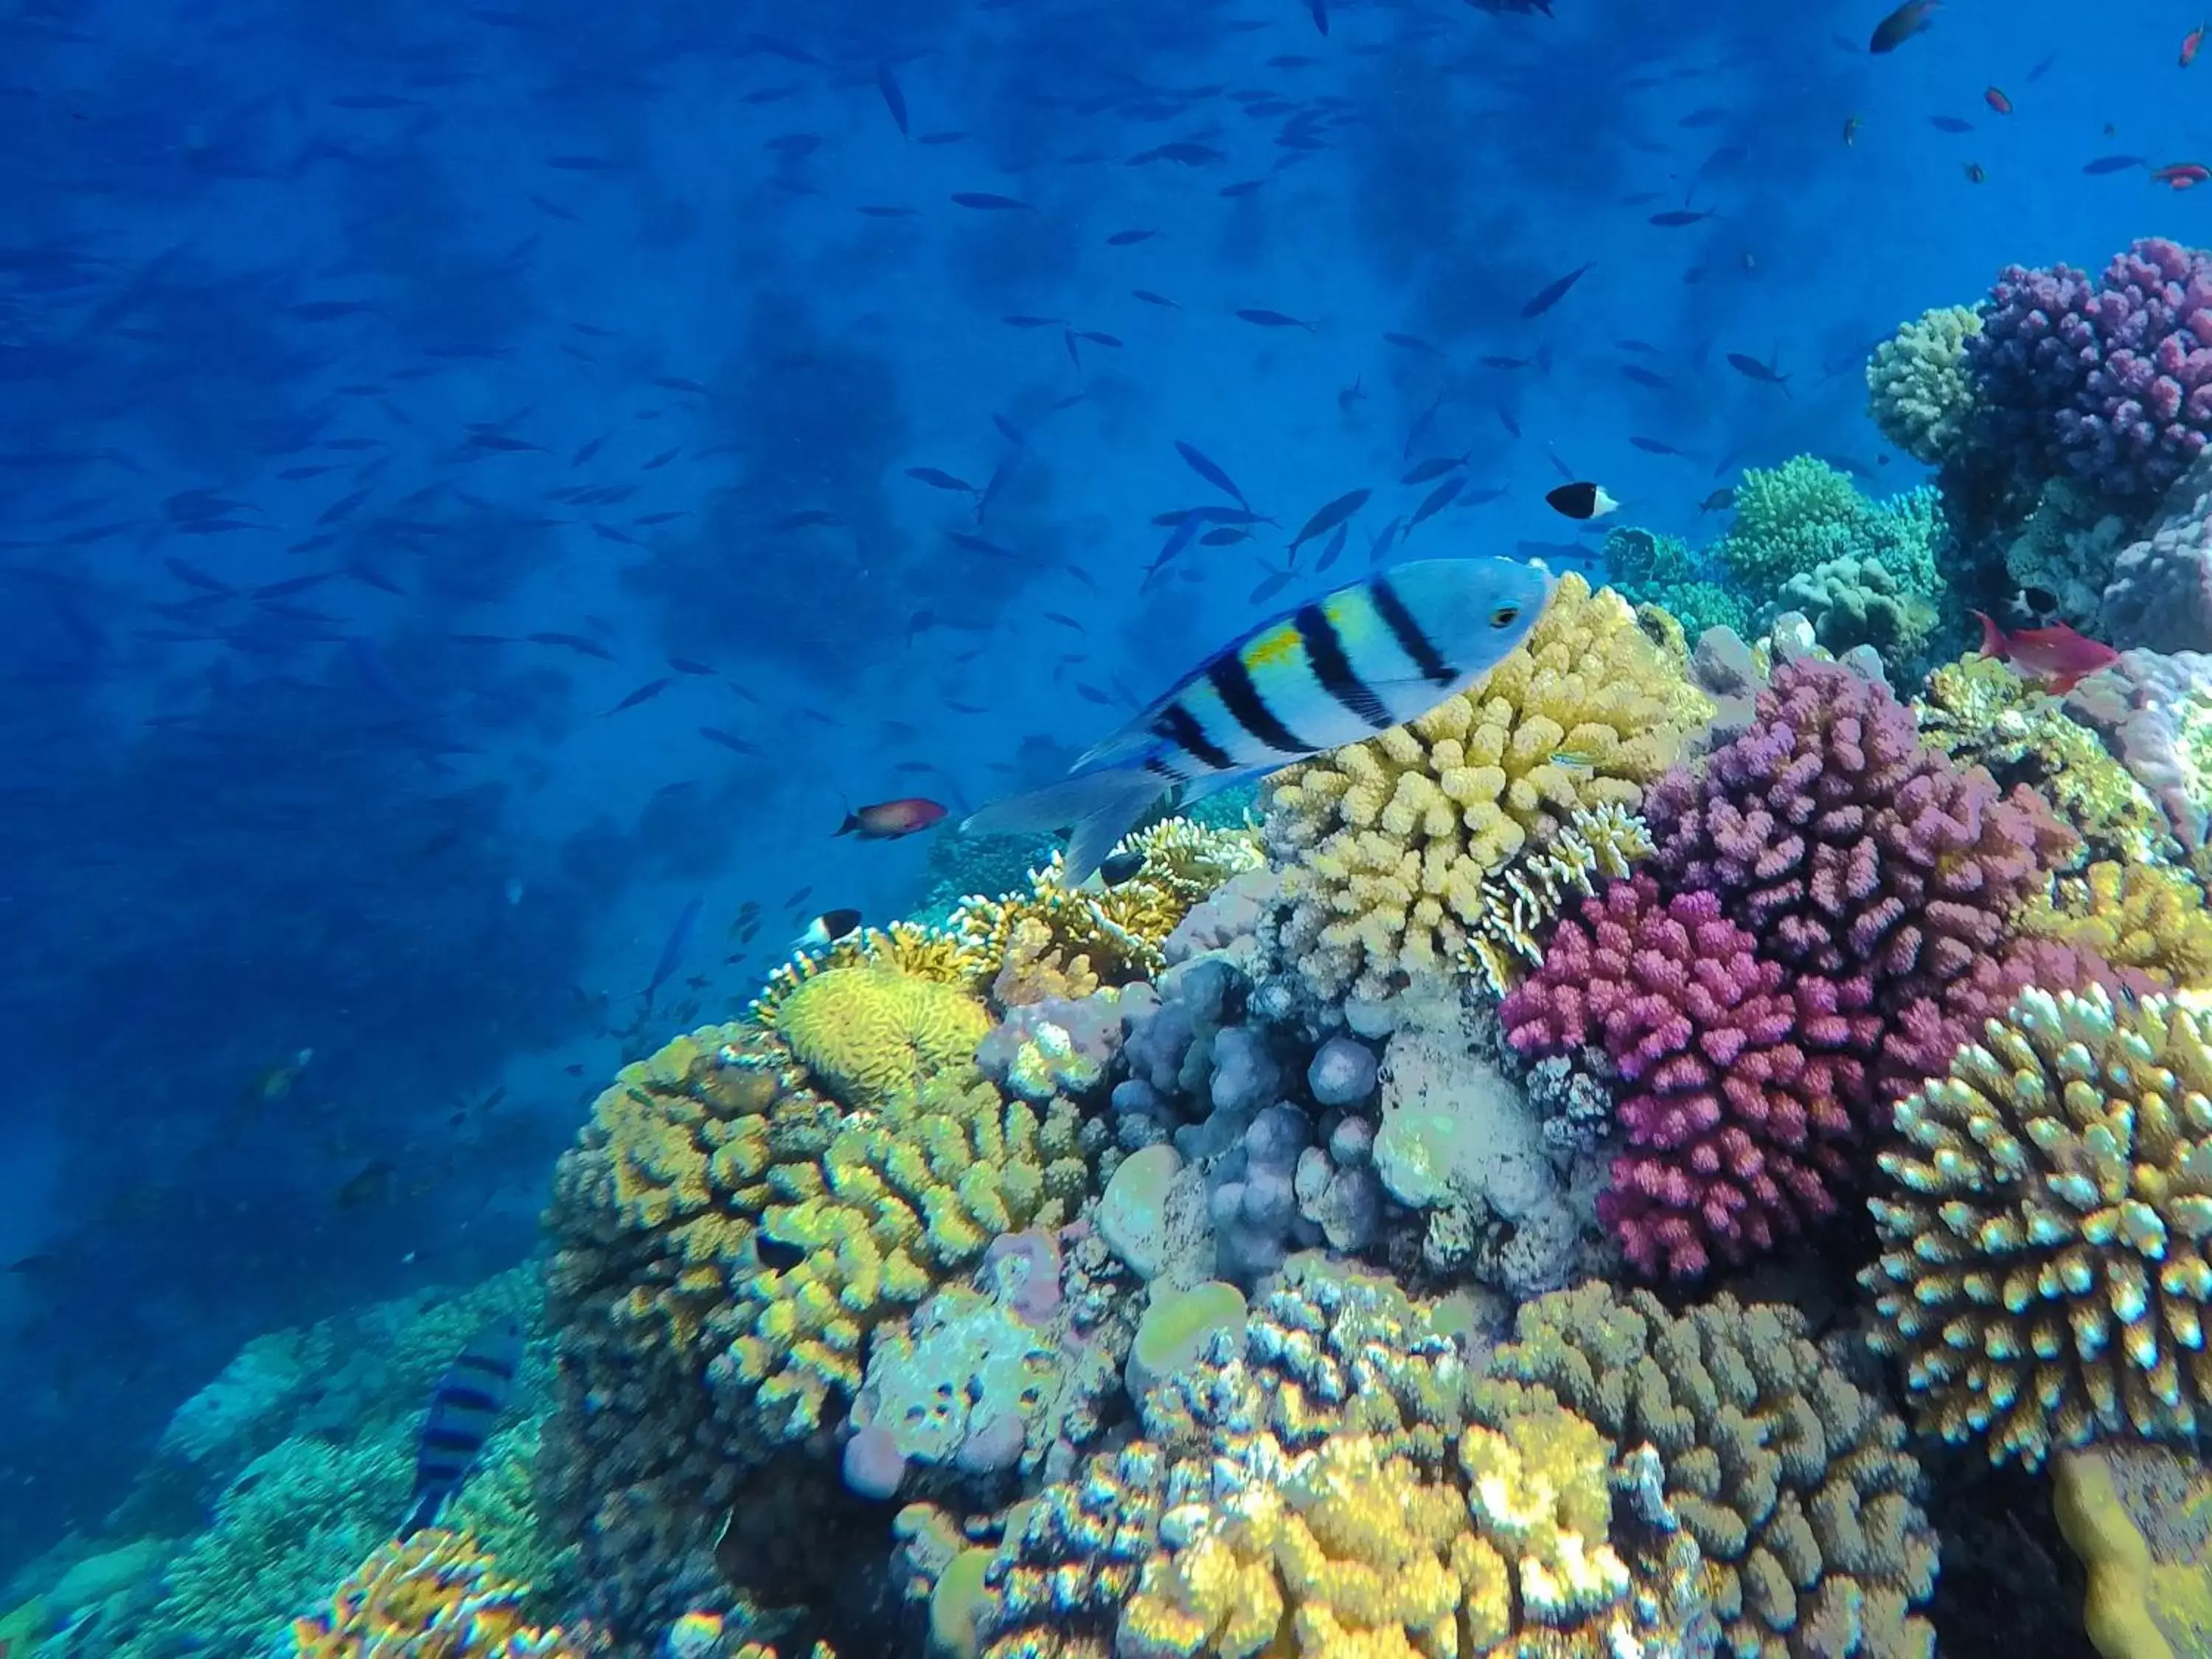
x,y
349,291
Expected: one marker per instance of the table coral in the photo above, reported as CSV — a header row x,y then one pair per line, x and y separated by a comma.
x,y
2043,1274
1848,847
1388,843
1792,1482
2140,1518
871,1034
1740,1085
1980,712
1918,391
2152,917
435,1596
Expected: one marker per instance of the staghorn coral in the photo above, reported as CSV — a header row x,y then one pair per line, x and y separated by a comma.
x,y
871,1034
1980,712
1739,1085
1918,391
435,1596
724,1240
1523,901
2044,1273
1388,843
2140,1517
1792,1483
904,947
1114,932
2150,917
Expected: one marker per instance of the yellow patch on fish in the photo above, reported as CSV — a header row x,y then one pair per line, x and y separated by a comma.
x,y
1351,614
1281,645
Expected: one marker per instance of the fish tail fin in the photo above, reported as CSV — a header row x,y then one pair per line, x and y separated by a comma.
x,y
852,823
1994,643
1102,807
422,1513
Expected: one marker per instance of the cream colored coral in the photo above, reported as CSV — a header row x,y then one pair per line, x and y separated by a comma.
x,y
1918,391
1388,843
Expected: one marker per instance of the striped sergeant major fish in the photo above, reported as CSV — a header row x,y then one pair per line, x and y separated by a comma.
x,y
1343,667
465,1409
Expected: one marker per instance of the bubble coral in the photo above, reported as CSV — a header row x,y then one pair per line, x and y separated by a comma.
x,y
1792,1482
2044,1270
1738,1083
1918,391
870,1034
1388,843
435,1596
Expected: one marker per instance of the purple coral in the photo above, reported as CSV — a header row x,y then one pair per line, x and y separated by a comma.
x,y
2112,383
1737,1116
1845,846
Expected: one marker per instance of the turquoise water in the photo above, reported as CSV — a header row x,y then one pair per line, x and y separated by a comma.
x,y
487,491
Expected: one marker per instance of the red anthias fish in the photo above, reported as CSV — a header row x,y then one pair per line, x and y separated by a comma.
x,y
887,820
2190,44
2055,658
2182,175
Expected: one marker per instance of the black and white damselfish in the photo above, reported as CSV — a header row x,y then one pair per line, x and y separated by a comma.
x,y
465,1410
1347,665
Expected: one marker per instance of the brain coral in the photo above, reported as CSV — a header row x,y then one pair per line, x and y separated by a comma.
x,y
1388,843
1738,1083
1792,1482
1846,847
870,1034
724,1241
2045,1273
1918,391
903,947
435,1596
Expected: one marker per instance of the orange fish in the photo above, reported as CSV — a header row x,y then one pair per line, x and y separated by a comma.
x,y
1996,99
2181,175
2191,42
887,820
2055,658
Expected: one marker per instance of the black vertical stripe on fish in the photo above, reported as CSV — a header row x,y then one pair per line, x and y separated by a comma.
x,y
491,1365
1232,683
1160,768
452,1440
1180,727
461,1397
1332,668
1411,640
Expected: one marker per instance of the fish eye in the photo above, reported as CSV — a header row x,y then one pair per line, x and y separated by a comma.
x,y
1503,616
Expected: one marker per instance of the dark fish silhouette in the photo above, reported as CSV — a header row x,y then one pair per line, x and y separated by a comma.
x,y
894,100
465,1410
1553,292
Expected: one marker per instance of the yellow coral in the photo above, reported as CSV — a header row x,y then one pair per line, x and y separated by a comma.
x,y
2044,1274
435,1596
1791,1482
871,1033
2150,916
1035,967
1113,933
1980,712
1525,898
904,947
1918,390
1388,843
2140,1517
1540,1486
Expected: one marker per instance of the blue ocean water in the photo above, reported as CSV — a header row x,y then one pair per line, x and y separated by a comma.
x,y
486,491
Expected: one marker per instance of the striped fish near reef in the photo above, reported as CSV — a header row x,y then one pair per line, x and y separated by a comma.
x,y
465,1409
1354,662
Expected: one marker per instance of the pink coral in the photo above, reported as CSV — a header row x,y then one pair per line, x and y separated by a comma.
x,y
1739,1125
1846,847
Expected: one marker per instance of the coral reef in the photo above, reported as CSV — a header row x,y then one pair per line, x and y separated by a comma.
x,y
2043,1274
2107,383
1519,903
1853,601
2155,711
1739,1085
1059,1045
1792,1482
2149,917
873,1034
1792,519
903,947
2140,1517
435,1596
1651,568
1386,843
1918,390
2158,595
2066,547
1981,713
